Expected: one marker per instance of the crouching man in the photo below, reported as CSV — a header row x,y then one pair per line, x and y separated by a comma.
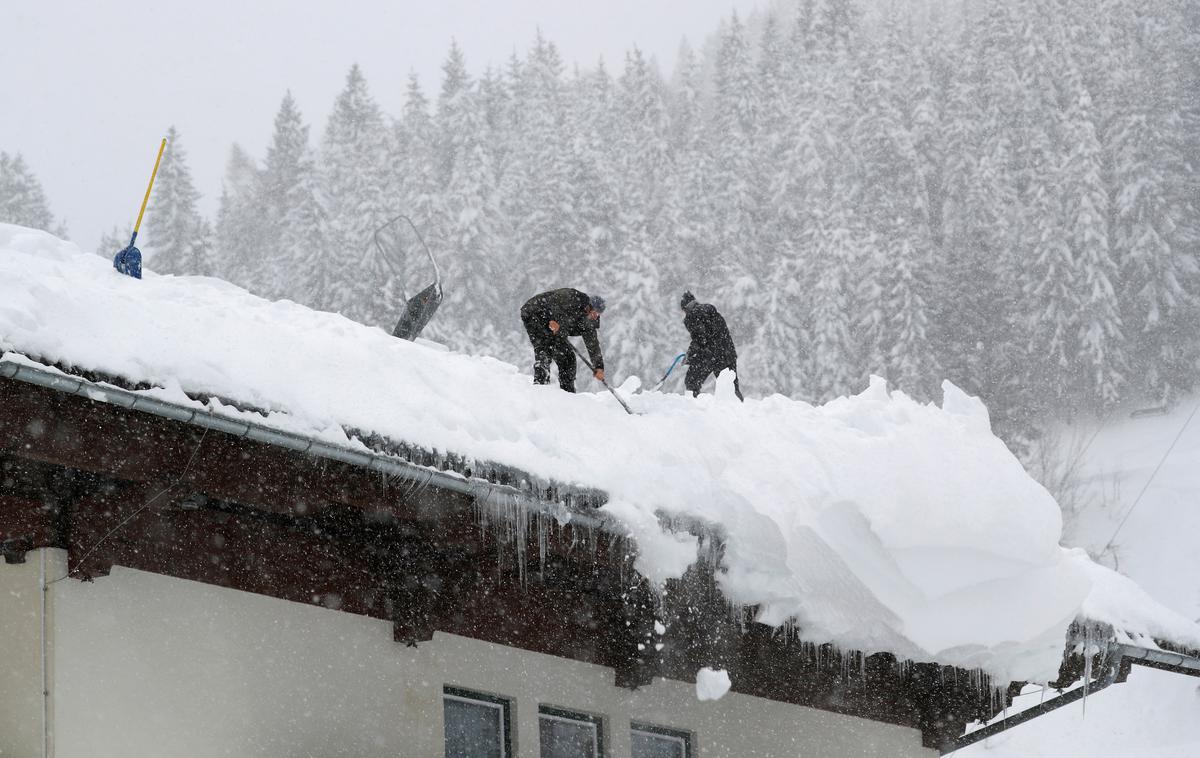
x,y
550,318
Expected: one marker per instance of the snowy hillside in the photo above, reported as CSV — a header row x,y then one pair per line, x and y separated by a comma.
x,y
874,521
1153,715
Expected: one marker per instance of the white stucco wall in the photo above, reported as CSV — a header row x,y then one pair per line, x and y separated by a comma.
x,y
148,665
24,714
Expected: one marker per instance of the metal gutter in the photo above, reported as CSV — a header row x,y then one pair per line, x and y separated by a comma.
x,y
1117,660
420,475
1087,688
1164,660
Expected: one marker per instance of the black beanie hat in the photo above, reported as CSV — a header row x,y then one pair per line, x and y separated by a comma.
x,y
597,303
688,297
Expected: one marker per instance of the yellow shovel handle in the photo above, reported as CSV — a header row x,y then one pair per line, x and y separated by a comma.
x,y
146,199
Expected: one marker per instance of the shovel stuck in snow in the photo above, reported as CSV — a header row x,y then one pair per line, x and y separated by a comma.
x,y
419,309
129,260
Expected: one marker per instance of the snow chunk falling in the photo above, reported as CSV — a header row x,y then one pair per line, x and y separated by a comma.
x,y
712,684
874,521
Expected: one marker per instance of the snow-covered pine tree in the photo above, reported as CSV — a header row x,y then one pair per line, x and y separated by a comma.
x,y
1100,358
831,367
798,197
113,240
641,307
174,228
594,174
474,258
897,275
22,200
287,206
415,183
353,170
773,54
837,24
742,266
241,231
455,81
200,249
645,145
687,236
1159,277
537,188
975,314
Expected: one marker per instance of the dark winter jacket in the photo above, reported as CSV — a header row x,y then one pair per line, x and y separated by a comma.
x,y
569,307
711,347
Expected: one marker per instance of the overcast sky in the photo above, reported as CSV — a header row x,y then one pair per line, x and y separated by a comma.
x,y
88,88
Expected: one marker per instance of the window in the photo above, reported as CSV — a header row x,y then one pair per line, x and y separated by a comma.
x,y
659,742
477,725
567,734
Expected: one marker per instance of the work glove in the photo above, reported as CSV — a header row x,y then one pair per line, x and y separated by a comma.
x,y
554,326
599,374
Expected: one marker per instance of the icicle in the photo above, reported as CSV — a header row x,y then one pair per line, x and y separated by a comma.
x,y
543,537
1087,666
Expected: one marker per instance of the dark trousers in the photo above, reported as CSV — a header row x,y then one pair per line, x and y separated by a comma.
x,y
697,373
549,347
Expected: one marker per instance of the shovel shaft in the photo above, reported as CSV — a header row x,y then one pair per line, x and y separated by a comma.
x,y
146,199
607,386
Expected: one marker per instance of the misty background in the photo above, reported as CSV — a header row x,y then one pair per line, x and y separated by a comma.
x,y
1002,194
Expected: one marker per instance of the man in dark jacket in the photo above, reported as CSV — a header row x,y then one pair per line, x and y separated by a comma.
x,y
712,349
553,316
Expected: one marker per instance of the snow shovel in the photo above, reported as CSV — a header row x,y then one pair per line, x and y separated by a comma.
x,y
674,363
128,261
607,386
419,309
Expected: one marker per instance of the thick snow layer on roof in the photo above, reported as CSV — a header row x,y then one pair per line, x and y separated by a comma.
x,y
873,521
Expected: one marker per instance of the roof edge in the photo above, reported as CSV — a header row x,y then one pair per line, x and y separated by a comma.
x,y
475,487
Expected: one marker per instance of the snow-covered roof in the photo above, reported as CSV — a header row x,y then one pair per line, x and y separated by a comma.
x,y
874,521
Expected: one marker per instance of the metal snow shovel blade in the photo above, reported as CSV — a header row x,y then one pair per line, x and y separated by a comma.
x,y
419,309
417,312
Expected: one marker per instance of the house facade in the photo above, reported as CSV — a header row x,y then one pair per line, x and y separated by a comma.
x,y
139,663
175,586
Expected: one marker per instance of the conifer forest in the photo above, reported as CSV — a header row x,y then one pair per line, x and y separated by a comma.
x,y
1001,194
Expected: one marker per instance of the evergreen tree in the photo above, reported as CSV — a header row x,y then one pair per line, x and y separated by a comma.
x,y
537,188
242,234
1159,277
177,238
595,164
897,276
354,181
113,241
1100,357
22,200
976,307
287,207
742,266
645,161
416,184
687,236
473,258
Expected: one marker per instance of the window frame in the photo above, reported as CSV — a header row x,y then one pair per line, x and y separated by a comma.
x,y
555,713
681,735
475,697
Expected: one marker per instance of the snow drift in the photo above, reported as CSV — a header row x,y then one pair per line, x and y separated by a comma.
x,y
874,521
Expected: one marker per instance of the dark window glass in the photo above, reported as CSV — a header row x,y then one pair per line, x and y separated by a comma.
x,y
656,742
476,725
566,734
